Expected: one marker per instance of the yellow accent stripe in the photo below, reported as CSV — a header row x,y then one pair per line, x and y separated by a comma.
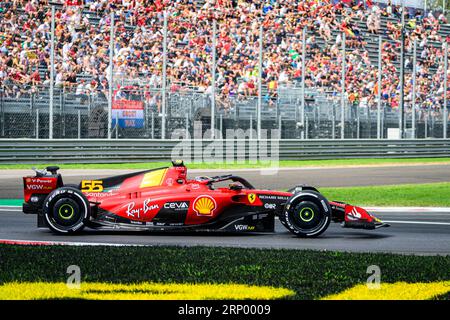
x,y
394,291
153,178
141,291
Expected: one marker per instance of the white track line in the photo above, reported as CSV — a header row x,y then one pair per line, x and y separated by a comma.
x,y
418,222
68,243
408,209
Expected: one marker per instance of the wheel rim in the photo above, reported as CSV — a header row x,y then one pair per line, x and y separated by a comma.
x,y
65,214
66,211
306,217
306,214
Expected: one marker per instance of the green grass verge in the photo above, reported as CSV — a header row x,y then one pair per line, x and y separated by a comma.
x,y
408,195
283,163
311,274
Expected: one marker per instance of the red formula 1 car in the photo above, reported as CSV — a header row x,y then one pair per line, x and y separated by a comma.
x,y
164,199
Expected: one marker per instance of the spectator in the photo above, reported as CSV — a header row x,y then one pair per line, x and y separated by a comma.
x,y
82,48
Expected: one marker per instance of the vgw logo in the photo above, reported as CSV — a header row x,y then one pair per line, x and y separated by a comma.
x,y
244,227
35,187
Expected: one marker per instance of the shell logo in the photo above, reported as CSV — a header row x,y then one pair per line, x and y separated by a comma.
x,y
204,205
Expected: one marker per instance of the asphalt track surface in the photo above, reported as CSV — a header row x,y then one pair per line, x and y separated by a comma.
x,y
411,232
11,180
423,233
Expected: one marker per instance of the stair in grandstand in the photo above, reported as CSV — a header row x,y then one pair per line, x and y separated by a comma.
x,y
372,40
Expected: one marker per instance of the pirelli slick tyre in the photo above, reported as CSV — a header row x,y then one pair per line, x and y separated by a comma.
x,y
66,210
75,186
306,214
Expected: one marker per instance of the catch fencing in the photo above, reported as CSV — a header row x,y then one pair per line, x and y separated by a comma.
x,y
85,116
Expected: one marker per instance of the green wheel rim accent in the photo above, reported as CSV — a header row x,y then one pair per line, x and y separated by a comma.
x,y
306,214
66,211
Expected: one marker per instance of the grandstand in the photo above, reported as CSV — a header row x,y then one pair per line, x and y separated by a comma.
x,y
82,35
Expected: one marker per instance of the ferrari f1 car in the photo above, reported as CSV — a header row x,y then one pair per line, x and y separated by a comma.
x,y
165,199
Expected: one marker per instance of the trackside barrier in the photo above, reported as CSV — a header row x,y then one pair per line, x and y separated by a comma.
x,y
116,151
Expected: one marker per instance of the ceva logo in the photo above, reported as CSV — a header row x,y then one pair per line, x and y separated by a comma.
x,y
177,205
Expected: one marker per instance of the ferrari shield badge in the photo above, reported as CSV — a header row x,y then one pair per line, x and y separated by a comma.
x,y
251,197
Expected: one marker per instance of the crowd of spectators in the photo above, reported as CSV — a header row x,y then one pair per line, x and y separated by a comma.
x,y
82,43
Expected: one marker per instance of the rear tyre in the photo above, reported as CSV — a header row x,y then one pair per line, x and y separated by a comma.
x,y
87,223
306,214
75,186
66,210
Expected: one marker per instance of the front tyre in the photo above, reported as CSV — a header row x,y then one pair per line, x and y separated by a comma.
x,y
66,210
306,214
